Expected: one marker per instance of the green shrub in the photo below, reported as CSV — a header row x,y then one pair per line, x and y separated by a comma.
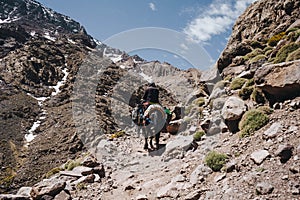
x,y
294,35
117,134
275,39
256,44
268,48
267,53
258,96
245,92
295,55
237,83
71,164
253,53
251,121
292,30
265,109
250,82
200,101
257,58
219,84
283,53
198,135
215,160
52,172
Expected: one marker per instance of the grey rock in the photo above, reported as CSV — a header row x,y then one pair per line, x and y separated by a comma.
x,y
141,197
219,177
13,197
198,174
273,79
233,108
273,131
178,178
24,191
217,93
84,171
63,195
259,156
177,147
47,187
264,188
195,195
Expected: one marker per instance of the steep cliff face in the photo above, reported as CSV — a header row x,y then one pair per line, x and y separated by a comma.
x,y
261,21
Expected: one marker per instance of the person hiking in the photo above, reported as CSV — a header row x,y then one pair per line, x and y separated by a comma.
x,y
151,95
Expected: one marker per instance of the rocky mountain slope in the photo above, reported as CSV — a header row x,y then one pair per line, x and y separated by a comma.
x,y
43,54
239,137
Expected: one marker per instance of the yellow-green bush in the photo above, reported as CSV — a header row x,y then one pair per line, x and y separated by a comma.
x,y
250,82
275,39
257,58
71,164
200,101
283,53
198,135
251,121
215,160
253,53
295,55
237,83
117,134
52,172
245,92
265,109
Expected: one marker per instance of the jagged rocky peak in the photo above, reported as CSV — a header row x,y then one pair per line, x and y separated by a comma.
x,y
261,21
25,11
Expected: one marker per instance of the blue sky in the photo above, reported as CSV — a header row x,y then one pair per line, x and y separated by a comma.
x,y
206,23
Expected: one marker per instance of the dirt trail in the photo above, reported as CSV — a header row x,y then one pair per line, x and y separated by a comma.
x,y
136,172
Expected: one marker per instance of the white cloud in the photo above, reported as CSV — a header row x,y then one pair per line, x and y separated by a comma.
x,y
152,6
216,19
183,46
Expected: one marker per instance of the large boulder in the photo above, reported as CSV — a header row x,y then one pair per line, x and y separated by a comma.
x,y
232,112
279,81
233,108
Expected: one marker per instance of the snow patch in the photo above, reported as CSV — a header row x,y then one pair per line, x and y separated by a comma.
x,y
71,41
146,77
60,83
32,33
114,57
97,41
30,136
47,36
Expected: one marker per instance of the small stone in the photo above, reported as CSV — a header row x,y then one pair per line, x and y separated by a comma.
x,y
264,188
285,152
259,156
13,197
63,195
220,177
285,177
83,170
272,131
195,195
179,178
141,197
